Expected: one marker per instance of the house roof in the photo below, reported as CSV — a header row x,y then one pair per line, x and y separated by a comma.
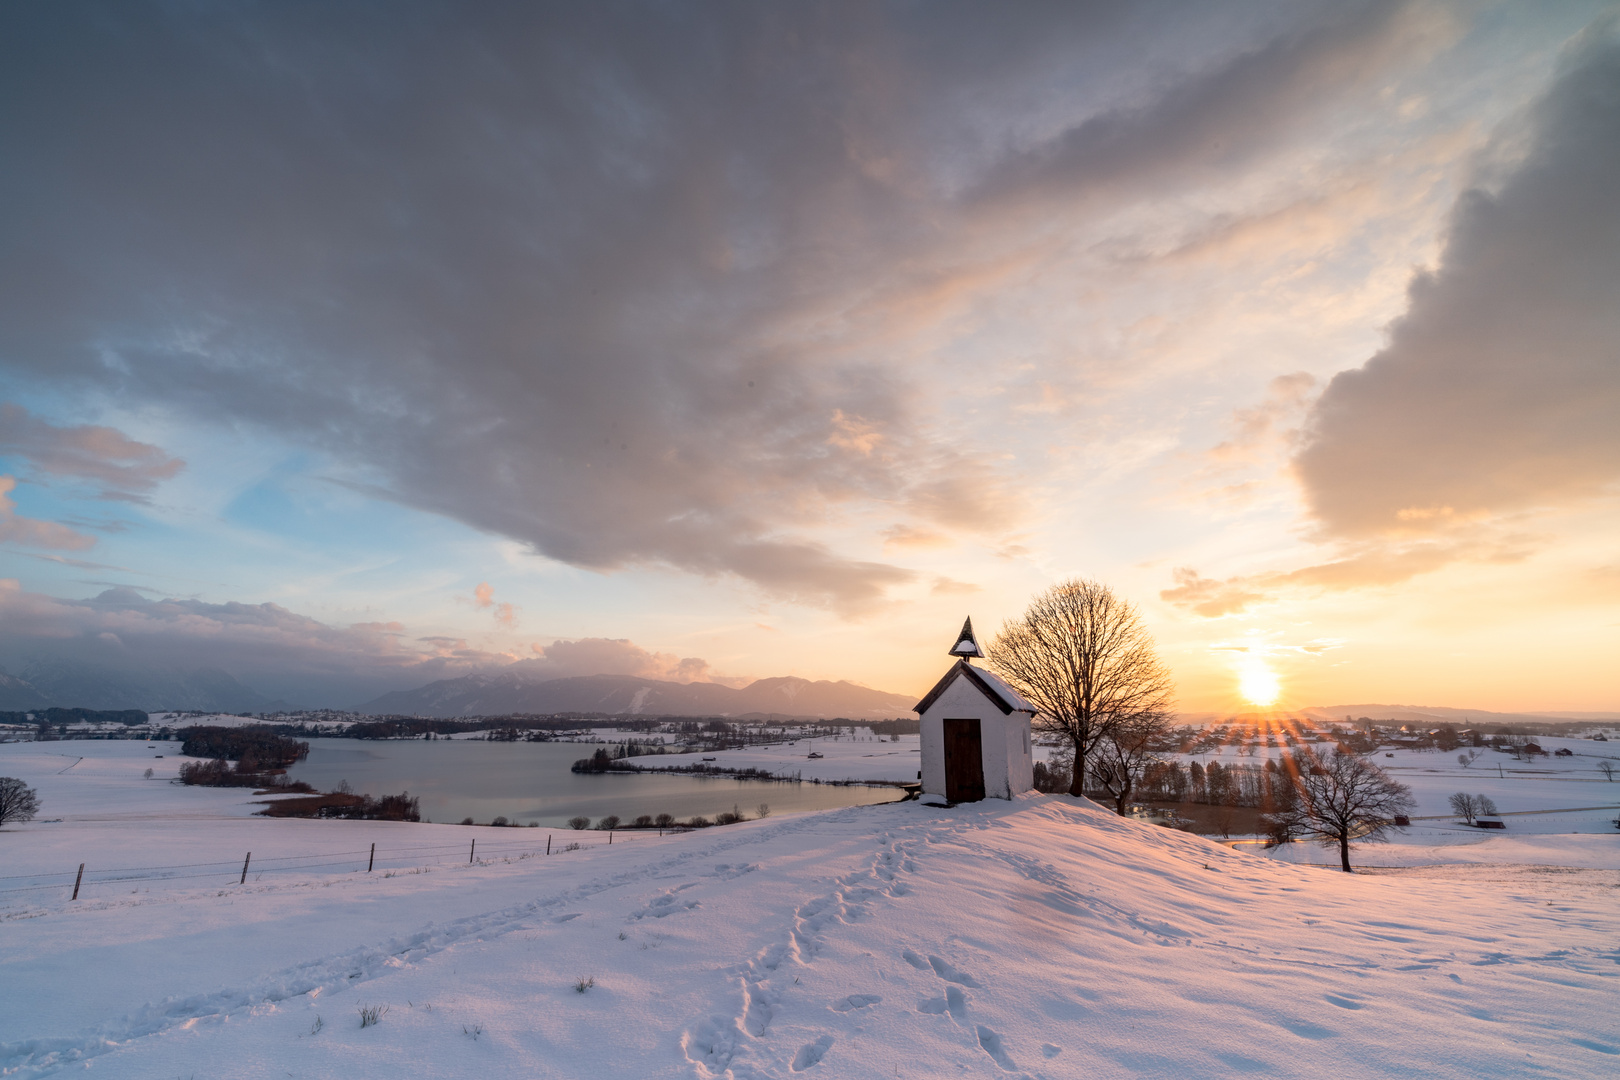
x,y
988,683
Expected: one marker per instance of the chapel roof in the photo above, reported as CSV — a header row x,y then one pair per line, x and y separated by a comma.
x,y
988,683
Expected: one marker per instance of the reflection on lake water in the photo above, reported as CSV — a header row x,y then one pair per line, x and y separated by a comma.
x,y
526,782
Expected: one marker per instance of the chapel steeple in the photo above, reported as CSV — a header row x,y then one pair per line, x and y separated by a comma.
x,y
967,646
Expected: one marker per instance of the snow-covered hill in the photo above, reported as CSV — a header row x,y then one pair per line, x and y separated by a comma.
x,y
1042,937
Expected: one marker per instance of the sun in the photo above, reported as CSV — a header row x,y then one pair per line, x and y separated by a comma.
x,y
1257,682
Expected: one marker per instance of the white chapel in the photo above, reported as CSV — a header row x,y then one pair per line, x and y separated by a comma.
x,y
975,732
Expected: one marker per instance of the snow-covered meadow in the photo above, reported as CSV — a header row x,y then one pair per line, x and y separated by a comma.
x,y
1042,937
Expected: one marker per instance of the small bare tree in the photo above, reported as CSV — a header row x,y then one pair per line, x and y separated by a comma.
x,y
1465,806
18,801
1607,769
1344,797
1082,657
1131,747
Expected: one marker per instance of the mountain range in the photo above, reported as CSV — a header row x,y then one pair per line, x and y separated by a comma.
x,y
513,690
70,684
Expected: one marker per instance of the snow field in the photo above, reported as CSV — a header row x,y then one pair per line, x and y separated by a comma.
x,y
1043,937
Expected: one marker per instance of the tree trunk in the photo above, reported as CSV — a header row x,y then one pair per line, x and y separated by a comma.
x,y
1124,796
1077,784
1344,852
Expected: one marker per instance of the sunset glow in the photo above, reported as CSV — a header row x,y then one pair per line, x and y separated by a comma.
x,y
1256,681
742,341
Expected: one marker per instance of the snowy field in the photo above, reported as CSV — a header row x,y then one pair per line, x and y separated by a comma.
x,y
1041,937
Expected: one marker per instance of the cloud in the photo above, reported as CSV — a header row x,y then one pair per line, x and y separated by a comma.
x,y
1207,597
944,586
912,537
506,615
283,653
613,656
1208,121
651,287
1259,428
15,529
126,469
1499,388
1368,565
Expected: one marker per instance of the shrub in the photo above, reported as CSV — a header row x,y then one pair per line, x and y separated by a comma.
x,y
643,822
401,807
466,821
584,983
499,821
581,822
664,821
764,808
608,823
18,801
371,1015
699,822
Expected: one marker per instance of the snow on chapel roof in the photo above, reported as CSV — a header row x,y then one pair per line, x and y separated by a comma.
x,y
990,685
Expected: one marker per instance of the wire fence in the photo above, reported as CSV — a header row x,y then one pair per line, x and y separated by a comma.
x,y
373,859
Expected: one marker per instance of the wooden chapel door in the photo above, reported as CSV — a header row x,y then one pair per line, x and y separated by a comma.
x,y
964,761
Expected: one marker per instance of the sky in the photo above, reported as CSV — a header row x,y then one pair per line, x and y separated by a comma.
x,y
345,347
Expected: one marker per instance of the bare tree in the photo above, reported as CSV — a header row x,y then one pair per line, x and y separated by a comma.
x,y
1130,747
1344,797
1082,657
1467,759
1465,806
18,801
1607,769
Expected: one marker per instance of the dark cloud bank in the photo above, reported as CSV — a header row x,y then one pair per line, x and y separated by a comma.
x,y
121,650
608,279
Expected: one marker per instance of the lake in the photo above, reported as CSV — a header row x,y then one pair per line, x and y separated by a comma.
x,y
526,782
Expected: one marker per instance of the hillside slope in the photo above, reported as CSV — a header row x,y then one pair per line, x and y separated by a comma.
x,y
1042,937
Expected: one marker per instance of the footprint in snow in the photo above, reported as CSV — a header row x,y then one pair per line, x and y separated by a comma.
x,y
950,974
954,1002
855,1001
990,1042
811,1053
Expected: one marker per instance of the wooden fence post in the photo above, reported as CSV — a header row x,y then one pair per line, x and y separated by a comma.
x,y
373,860
610,838
548,843
471,850
244,867
77,880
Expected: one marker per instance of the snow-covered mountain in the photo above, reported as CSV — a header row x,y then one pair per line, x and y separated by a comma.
x,y
71,684
517,690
